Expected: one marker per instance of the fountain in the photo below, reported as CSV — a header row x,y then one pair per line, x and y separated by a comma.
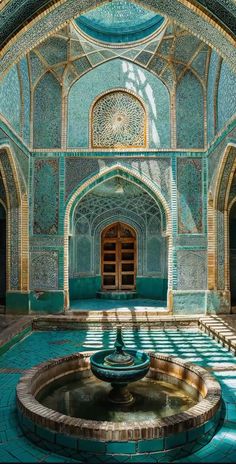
x,y
119,368
120,404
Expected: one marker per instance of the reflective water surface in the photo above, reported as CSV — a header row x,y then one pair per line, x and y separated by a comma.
x,y
87,399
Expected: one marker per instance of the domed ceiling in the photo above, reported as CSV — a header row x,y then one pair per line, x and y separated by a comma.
x,y
119,21
25,24
15,14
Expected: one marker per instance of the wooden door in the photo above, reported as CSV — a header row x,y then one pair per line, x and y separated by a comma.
x,y
118,257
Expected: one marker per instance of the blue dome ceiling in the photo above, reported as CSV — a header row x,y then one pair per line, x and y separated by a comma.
x,y
119,21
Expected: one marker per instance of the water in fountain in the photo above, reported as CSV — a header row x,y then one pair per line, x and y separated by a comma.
x,y
120,377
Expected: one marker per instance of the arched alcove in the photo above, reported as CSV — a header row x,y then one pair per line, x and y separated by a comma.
x,y
117,198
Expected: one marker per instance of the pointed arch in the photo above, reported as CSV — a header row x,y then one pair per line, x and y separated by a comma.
x,y
218,223
132,176
17,222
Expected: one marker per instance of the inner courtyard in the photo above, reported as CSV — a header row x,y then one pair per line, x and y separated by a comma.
x,y
118,210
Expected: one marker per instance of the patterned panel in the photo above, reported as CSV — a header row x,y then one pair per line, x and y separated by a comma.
x,y
158,170
10,103
191,241
44,242
14,221
118,119
185,47
54,50
189,177
2,191
77,169
220,250
47,113
192,270
9,178
189,113
83,254
44,270
226,95
93,206
26,99
220,219
46,200
232,194
23,161
154,246
213,66
36,66
76,49
225,179
82,65
199,63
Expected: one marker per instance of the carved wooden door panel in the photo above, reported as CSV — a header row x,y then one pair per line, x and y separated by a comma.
x,y
118,257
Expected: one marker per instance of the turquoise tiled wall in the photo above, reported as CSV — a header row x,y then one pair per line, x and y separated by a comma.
x,y
119,74
47,113
226,104
213,66
189,112
25,83
10,102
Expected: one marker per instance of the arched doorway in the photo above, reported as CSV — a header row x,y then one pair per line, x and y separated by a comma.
x,y
2,255
232,245
118,257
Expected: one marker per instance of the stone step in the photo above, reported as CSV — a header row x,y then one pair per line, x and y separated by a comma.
x,y
117,295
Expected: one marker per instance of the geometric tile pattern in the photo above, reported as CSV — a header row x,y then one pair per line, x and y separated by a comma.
x,y
190,195
134,207
46,201
169,55
118,119
44,270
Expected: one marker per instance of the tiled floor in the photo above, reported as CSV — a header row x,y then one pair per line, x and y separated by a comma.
x,y
96,304
40,346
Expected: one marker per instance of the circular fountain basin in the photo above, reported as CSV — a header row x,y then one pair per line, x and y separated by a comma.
x,y
132,437
119,373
